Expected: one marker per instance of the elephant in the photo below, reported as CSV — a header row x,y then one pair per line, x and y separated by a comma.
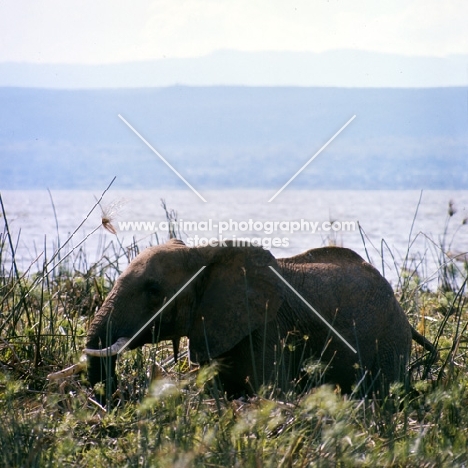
x,y
261,319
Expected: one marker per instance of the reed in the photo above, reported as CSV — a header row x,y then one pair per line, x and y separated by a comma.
x,y
172,415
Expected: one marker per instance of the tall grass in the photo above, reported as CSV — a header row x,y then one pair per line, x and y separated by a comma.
x,y
173,415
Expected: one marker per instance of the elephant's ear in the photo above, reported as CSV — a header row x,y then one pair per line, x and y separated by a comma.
x,y
239,293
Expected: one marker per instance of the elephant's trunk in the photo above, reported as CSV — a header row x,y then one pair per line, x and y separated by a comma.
x,y
102,361
102,370
101,367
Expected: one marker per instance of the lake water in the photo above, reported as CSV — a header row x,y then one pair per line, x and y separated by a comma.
x,y
379,217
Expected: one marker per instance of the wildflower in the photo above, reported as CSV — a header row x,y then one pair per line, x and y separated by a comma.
x,y
451,210
108,214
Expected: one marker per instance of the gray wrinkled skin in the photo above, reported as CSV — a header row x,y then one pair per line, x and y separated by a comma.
x,y
238,312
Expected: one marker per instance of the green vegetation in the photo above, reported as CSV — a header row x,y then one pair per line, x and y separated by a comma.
x,y
169,414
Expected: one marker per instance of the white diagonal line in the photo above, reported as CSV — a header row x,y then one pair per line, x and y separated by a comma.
x,y
160,156
313,310
312,158
162,308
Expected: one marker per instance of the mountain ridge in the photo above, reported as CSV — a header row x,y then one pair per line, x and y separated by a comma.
x,y
336,68
227,137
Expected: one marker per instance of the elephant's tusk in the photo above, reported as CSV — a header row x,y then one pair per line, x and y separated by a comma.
x,y
74,369
110,351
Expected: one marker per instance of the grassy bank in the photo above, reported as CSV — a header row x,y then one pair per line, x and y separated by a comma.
x,y
174,415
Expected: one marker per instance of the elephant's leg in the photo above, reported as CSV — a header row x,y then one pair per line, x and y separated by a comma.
x,y
265,358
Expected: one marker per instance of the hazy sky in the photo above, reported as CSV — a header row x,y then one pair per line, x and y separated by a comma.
x,y
101,31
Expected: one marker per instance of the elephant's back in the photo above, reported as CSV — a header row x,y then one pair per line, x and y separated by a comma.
x,y
325,255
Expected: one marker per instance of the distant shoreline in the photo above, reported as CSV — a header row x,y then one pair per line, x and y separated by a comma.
x,y
337,68
228,137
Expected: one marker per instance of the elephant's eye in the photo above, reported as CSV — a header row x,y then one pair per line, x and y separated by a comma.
x,y
153,288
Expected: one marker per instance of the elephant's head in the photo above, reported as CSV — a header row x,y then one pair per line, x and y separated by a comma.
x,y
233,295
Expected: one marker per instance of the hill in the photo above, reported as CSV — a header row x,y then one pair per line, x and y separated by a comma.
x,y
220,137
338,68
